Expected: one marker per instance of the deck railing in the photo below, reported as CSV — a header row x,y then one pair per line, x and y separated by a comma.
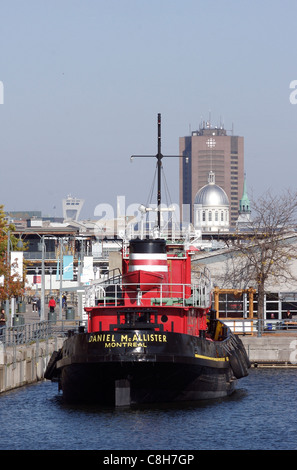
x,y
196,295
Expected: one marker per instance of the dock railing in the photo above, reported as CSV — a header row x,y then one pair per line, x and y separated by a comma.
x,y
254,326
39,331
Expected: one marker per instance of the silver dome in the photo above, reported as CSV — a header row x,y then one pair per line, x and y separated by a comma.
x,y
211,195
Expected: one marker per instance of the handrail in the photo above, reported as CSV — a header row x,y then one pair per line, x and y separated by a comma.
x,y
31,332
161,294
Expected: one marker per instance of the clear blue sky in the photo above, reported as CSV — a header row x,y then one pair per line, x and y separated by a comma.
x,y
84,80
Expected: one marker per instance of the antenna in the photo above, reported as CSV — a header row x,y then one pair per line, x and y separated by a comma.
x,y
159,157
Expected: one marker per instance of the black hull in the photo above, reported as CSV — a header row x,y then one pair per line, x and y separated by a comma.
x,y
155,368
129,384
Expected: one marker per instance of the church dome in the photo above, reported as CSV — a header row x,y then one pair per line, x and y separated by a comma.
x,y
211,207
211,195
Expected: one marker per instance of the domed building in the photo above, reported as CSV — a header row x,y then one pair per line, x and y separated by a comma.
x,y
211,208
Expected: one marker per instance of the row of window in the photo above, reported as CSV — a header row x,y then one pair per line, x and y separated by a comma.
x,y
213,216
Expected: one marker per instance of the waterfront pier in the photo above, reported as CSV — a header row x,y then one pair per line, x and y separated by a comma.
x,y
26,349
25,364
276,349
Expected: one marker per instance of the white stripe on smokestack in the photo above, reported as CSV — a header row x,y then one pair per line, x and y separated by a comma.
x,y
153,262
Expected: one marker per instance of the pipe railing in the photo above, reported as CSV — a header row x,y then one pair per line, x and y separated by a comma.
x,y
183,294
30,332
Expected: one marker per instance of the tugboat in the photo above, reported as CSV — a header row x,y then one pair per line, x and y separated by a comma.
x,y
152,336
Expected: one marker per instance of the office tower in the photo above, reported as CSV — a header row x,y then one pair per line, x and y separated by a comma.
x,y
212,149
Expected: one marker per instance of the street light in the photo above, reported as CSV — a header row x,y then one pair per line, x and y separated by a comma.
x,y
50,271
42,276
42,309
19,245
36,283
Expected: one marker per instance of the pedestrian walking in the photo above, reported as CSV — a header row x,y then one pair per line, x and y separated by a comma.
x,y
52,304
34,303
64,301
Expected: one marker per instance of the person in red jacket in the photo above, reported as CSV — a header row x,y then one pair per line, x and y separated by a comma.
x,y
52,304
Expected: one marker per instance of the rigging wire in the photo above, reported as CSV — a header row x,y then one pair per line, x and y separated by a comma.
x,y
150,196
167,197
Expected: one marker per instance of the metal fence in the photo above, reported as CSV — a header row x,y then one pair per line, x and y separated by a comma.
x,y
256,326
31,332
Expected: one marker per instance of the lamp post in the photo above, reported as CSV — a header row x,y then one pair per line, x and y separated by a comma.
x,y
19,245
50,271
42,281
42,309
36,274
61,279
8,272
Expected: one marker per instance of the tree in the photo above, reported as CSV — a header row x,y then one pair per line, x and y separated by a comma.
x,y
12,285
265,251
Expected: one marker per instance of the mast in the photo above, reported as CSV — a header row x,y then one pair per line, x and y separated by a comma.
x,y
159,157
159,164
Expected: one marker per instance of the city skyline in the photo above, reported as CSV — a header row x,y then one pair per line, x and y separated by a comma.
x,y
82,84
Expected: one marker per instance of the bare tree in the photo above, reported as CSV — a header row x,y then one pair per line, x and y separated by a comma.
x,y
265,250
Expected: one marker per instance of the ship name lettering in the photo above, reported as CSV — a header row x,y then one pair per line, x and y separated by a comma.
x,y
151,337
101,338
124,345
126,340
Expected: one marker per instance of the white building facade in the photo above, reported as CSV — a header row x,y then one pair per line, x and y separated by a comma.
x,y
211,208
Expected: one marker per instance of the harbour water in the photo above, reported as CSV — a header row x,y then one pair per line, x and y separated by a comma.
x,y
261,414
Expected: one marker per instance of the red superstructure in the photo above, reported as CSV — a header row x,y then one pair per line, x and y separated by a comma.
x,y
155,289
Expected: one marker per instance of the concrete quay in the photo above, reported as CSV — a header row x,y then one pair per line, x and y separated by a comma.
x,y
24,364
274,349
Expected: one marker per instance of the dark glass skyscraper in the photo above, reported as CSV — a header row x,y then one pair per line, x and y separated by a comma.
x,y
212,149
